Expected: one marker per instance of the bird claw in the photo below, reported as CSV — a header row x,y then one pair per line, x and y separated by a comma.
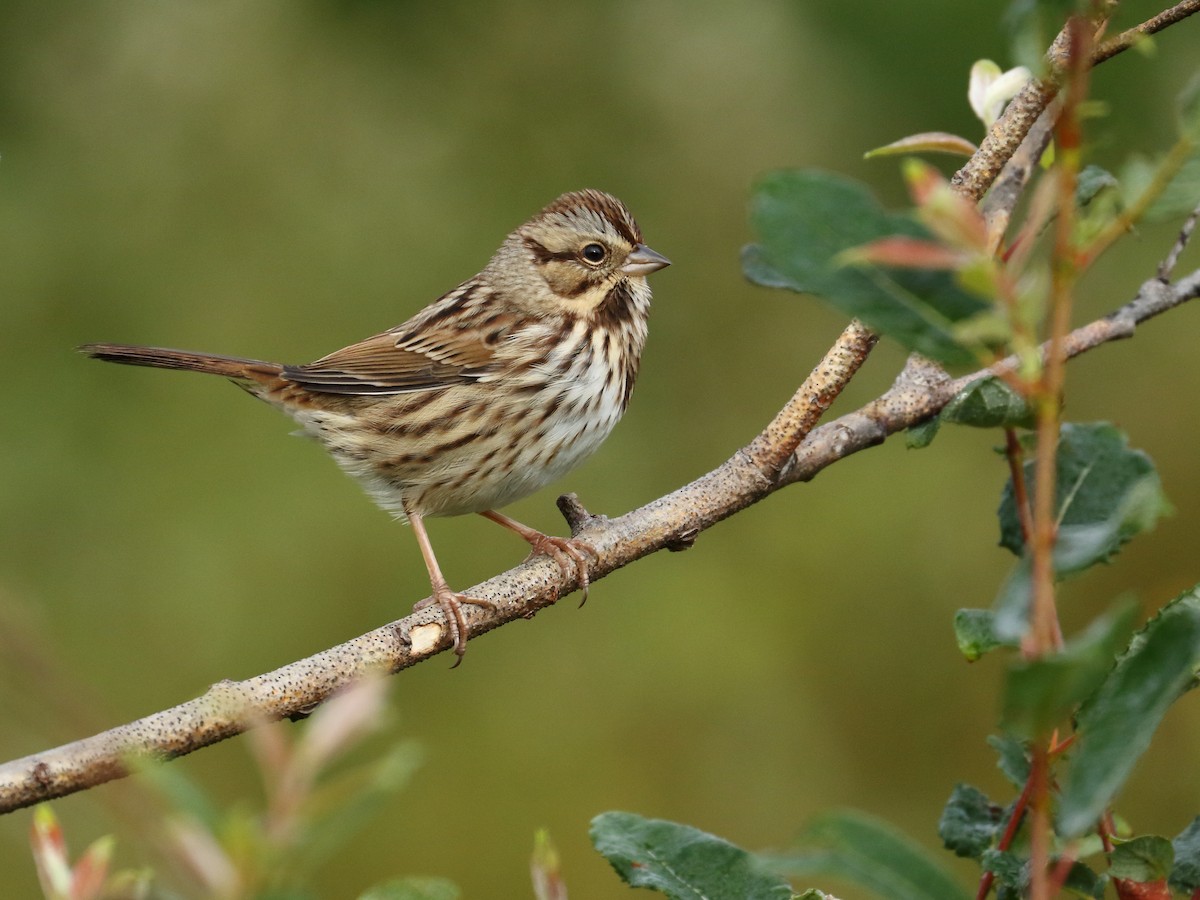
x,y
451,603
560,549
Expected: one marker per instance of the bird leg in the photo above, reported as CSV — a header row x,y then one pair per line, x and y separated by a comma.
x,y
558,549
450,602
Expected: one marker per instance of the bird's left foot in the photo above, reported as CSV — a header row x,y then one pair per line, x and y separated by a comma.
x,y
572,555
579,553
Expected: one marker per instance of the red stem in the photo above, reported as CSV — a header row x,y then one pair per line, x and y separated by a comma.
x,y
1044,633
1016,468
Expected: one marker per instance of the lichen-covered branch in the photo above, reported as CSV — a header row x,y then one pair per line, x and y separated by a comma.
x,y
772,449
231,707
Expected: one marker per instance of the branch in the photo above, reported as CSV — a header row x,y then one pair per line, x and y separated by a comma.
x,y
1008,132
1153,25
1167,266
231,707
922,389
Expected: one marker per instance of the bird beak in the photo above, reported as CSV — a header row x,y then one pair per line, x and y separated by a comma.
x,y
643,261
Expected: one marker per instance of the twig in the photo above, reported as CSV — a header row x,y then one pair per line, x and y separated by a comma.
x,y
1010,833
1044,632
1167,266
1010,130
1002,199
1128,38
1016,471
1039,824
1003,137
772,449
1124,222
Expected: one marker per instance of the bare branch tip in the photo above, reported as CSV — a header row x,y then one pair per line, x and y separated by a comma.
x,y
1167,267
577,516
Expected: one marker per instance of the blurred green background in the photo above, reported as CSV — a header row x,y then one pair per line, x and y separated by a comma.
x,y
278,179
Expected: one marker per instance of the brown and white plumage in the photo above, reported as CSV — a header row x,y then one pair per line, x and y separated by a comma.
x,y
489,393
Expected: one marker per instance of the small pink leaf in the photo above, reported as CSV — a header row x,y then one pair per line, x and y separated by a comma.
x,y
338,725
92,869
923,180
903,253
546,870
203,855
49,848
951,217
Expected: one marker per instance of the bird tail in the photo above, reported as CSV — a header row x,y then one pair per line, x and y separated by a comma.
x,y
184,360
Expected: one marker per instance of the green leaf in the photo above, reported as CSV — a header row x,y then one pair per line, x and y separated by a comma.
x,y
181,793
1099,198
413,889
1189,599
1055,12
969,822
870,853
1180,196
1083,882
1013,758
681,861
1081,546
1135,177
1105,494
921,436
1117,723
988,403
989,328
1188,109
1185,875
1040,694
1033,24
1010,610
805,219
1092,180
1144,858
975,632
1011,871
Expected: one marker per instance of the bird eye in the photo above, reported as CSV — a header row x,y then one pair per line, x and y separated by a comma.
x,y
594,253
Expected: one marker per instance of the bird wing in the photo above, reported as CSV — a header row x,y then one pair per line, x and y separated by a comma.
x,y
428,352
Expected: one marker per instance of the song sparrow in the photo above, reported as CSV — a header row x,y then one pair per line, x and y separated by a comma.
x,y
489,393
